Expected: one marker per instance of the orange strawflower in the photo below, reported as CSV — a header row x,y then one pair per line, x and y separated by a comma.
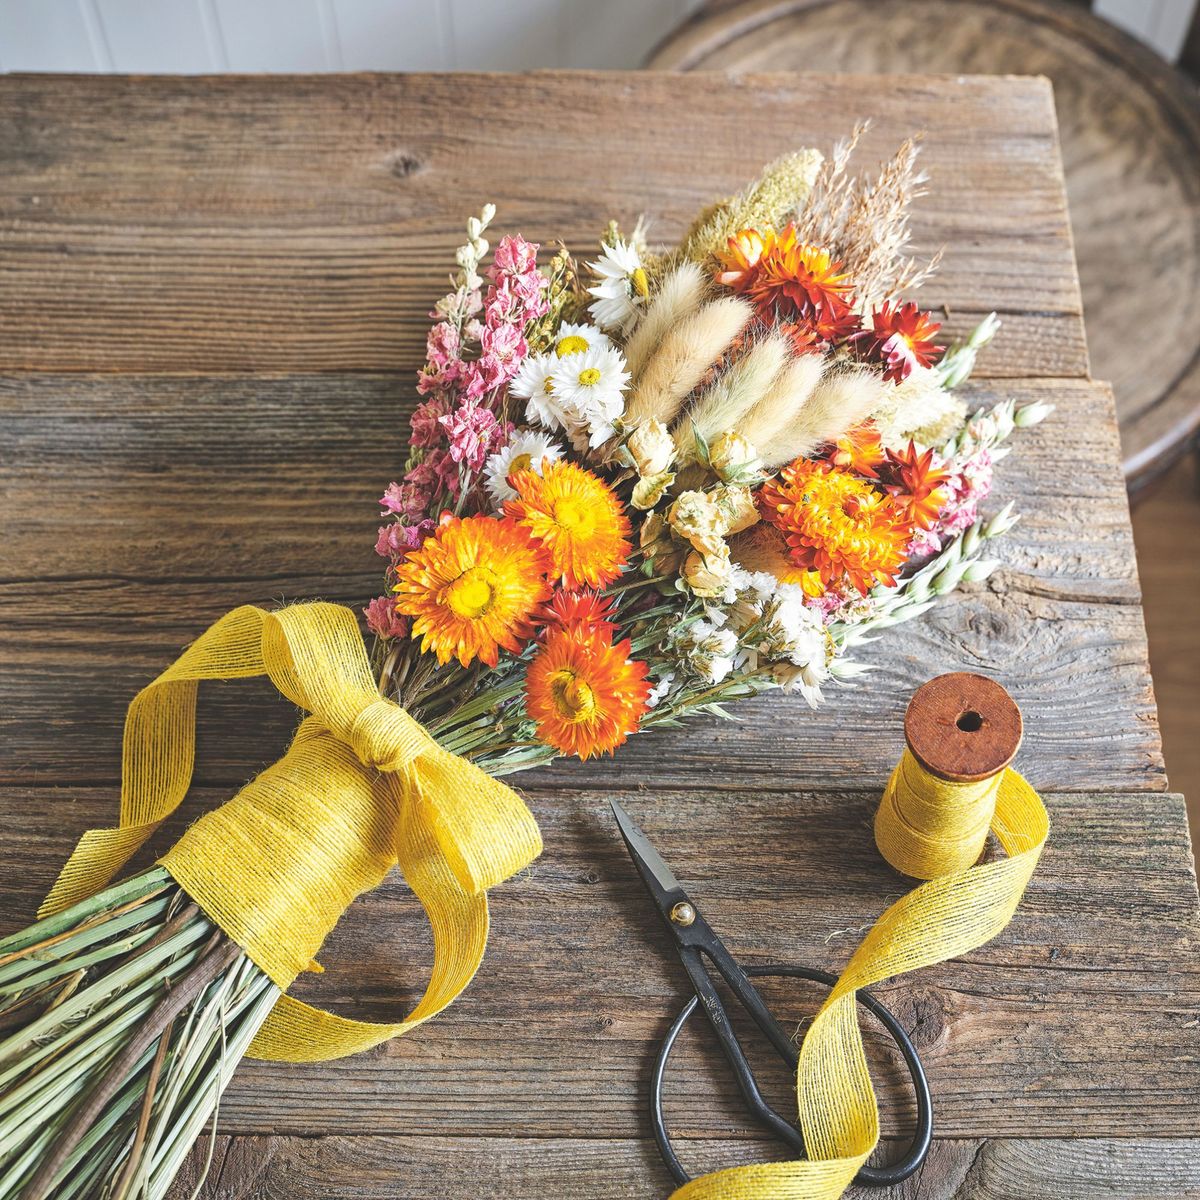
x,y
860,451
578,519
837,525
921,488
740,261
792,282
589,610
902,338
805,275
586,695
474,586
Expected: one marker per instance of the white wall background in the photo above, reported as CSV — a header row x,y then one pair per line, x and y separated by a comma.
x,y
330,35
389,35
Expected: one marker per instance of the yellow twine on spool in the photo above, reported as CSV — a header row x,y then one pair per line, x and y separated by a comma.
x,y
362,788
962,731
927,826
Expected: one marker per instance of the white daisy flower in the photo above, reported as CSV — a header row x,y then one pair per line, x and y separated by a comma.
x,y
621,289
592,382
576,339
588,389
527,450
532,383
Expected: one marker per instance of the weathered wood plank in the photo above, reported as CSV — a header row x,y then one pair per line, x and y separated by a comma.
x,y
1081,1019
200,494
308,223
417,1168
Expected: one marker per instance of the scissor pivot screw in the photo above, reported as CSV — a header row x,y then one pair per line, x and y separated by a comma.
x,y
683,913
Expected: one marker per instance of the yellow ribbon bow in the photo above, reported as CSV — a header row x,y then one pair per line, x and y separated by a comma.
x,y
362,787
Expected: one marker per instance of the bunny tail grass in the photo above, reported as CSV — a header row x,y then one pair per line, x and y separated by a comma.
x,y
783,400
678,296
721,406
682,358
840,401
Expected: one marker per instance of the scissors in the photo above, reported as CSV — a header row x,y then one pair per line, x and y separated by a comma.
x,y
695,942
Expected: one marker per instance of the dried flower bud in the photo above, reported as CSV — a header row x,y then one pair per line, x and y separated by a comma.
x,y
732,457
736,507
651,447
658,546
649,490
708,574
694,517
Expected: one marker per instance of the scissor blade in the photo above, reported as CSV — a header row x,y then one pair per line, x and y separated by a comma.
x,y
655,873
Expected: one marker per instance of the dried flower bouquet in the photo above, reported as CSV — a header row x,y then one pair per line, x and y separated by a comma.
x,y
639,488
636,488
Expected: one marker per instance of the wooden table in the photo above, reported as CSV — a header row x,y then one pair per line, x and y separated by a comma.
x,y
212,298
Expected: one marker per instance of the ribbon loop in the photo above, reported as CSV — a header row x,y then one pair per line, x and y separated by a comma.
x,y
362,787
385,737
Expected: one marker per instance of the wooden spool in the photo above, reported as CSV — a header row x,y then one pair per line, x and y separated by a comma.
x,y
963,727
1130,131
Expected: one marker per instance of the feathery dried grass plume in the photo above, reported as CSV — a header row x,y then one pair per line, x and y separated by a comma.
x,y
781,404
682,358
774,198
842,399
919,405
678,296
722,405
865,223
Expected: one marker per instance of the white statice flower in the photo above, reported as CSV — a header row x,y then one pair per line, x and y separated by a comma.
x,y
589,390
527,450
747,596
533,383
659,691
577,339
711,650
794,630
621,288
777,626
806,679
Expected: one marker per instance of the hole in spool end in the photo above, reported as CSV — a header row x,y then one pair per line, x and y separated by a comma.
x,y
969,721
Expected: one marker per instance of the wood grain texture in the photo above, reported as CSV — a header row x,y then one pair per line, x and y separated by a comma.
x,y
1130,133
204,493
415,1168
1166,528
307,224
213,294
1081,1019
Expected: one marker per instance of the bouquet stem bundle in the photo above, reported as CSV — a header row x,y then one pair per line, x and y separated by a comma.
x,y
121,1021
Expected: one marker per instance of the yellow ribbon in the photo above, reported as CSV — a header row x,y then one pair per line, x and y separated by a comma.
x,y
939,920
362,787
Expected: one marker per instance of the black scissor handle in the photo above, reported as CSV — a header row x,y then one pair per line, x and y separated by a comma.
x,y
883,1176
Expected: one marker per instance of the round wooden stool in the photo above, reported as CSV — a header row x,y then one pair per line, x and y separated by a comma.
x,y
1130,130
